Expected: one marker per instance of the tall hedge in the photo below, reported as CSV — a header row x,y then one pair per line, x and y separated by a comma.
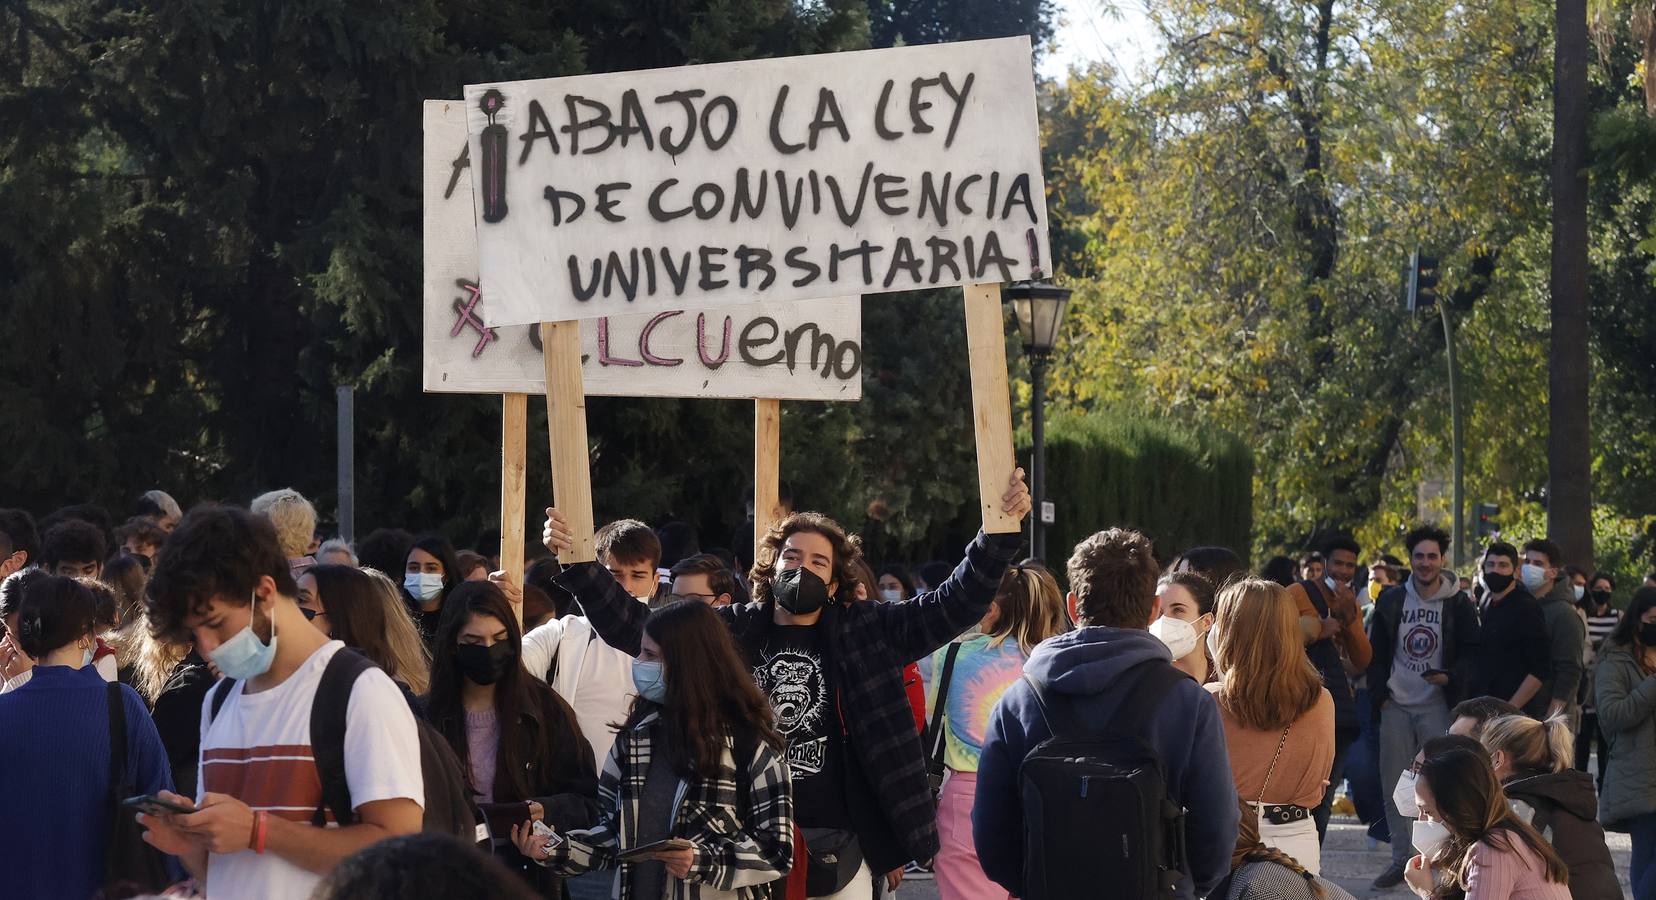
x,y
1183,487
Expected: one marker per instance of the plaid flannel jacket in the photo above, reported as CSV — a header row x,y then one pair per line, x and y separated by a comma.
x,y
870,643
733,859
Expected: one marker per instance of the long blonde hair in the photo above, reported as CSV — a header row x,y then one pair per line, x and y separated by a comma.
x,y
411,662
152,659
1531,747
1266,680
1031,607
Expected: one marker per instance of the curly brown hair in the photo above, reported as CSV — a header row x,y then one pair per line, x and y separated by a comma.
x,y
1113,577
847,553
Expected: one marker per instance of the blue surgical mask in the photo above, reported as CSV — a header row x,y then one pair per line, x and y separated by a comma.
x,y
1533,576
245,656
423,586
86,657
648,680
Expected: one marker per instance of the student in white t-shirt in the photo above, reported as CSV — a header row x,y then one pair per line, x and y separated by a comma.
x,y
222,581
594,678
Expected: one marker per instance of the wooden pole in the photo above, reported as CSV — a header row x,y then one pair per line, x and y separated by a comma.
x,y
566,431
514,451
991,403
767,458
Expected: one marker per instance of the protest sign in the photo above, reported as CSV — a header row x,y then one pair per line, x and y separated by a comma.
x,y
779,179
767,350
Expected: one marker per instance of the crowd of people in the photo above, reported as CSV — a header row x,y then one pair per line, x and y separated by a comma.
x,y
230,704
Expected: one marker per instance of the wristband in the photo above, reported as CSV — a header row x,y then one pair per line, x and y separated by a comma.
x,y
261,820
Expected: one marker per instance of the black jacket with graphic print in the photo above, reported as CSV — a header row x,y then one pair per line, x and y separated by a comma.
x,y
889,796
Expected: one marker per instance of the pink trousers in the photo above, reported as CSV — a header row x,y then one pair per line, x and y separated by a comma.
x,y
959,877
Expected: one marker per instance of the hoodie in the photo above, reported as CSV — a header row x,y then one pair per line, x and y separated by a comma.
x,y
1187,736
1566,640
1392,639
1564,808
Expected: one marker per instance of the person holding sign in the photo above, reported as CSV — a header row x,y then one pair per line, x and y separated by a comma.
x,y
832,668
695,801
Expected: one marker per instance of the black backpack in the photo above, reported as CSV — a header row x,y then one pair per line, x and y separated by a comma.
x,y
448,802
1097,818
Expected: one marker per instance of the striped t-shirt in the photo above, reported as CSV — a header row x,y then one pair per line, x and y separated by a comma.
x,y
258,750
1599,627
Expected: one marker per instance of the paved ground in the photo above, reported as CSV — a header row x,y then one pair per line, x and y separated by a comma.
x,y
1348,860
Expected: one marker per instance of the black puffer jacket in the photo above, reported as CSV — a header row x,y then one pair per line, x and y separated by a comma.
x,y
1564,808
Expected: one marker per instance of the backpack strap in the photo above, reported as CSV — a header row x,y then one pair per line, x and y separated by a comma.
x,y
327,731
221,693
934,731
117,737
1313,591
557,658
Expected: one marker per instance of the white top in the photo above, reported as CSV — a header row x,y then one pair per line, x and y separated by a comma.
x,y
594,678
258,750
17,681
1419,645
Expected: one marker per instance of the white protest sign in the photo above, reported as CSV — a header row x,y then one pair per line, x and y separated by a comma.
x,y
778,179
787,351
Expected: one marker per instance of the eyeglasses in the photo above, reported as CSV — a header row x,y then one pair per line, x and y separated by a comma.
x,y
705,598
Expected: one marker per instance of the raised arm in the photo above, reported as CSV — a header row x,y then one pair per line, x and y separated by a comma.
x,y
615,614
918,626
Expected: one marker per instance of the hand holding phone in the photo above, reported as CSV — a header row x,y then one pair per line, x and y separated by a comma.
x,y
535,840
150,804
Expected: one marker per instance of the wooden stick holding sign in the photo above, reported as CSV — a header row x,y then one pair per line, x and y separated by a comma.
x,y
767,464
566,428
514,451
991,403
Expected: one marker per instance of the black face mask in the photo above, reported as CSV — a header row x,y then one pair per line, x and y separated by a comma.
x,y
1647,634
1496,582
1600,598
800,591
485,665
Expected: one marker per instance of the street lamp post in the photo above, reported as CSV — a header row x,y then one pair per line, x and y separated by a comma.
x,y
1039,309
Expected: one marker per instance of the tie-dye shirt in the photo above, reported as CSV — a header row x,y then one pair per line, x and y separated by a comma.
x,y
982,673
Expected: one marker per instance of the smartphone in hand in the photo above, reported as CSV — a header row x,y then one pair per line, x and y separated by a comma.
x,y
151,805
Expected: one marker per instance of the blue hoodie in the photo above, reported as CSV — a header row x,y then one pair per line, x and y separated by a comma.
x,y
1187,736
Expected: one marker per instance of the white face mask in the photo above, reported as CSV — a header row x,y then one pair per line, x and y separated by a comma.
x,y
1429,837
1580,591
423,586
1177,634
1213,643
891,595
86,657
1332,584
1403,795
1533,576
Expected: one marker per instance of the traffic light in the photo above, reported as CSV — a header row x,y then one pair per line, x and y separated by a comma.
x,y
1421,280
1487,526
